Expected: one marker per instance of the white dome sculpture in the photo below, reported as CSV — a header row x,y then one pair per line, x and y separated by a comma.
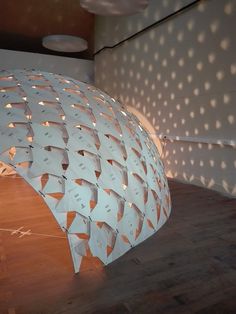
x,y
90,160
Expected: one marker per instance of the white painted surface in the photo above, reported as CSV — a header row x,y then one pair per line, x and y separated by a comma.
x,y
76,68
181,76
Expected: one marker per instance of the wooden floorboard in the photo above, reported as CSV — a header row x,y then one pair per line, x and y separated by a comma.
x,y
188,266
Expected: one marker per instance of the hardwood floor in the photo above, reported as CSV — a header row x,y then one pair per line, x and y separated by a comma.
x,y
188,266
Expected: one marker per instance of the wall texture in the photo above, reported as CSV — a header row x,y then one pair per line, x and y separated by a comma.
x,y
76,68
111,30
180,75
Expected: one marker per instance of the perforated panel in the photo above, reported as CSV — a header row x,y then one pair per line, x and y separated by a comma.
x,y
90,160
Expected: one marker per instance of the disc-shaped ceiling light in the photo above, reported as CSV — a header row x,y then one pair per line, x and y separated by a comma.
x,y
89,158
114,7
65,43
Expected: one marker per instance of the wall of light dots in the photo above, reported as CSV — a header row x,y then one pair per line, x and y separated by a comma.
x,y
180,76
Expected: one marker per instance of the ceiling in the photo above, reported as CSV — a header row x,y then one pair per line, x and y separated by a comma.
x,y
23,23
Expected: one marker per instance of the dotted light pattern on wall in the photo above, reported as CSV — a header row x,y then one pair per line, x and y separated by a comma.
x,y
180,75
91,161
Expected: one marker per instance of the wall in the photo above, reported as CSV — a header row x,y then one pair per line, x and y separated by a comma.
x,y
180,76
76,68
111,30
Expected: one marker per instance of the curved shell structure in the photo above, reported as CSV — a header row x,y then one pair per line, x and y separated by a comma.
x,y
91,161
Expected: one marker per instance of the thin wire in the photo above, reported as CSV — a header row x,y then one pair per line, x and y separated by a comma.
x,y
24,233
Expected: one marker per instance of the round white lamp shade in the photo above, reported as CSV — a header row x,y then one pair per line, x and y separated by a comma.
x,y
91,161
64,43
114,7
